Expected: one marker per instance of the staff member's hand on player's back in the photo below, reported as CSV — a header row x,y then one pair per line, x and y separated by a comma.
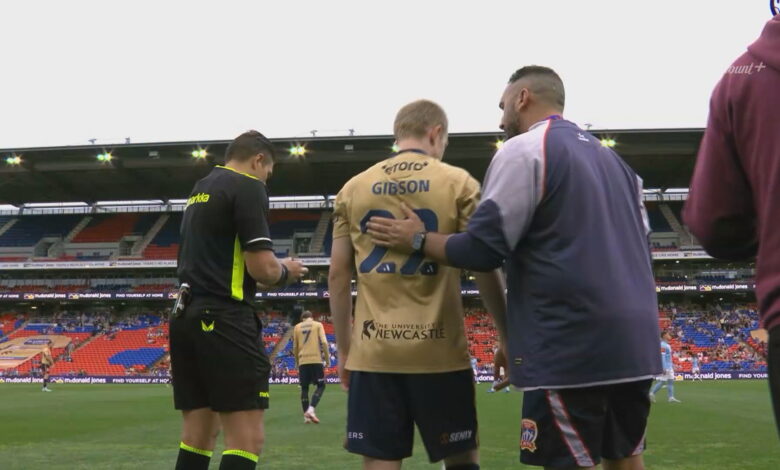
x,y
395,233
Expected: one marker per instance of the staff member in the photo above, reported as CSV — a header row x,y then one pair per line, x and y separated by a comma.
x,y
733,205
219,368
565,216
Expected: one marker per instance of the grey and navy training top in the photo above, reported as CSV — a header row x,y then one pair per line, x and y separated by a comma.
x,y
565,215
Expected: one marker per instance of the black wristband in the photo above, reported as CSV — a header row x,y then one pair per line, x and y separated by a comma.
x,y
283,278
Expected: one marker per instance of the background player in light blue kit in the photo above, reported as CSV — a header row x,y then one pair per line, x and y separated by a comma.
x,y
668,376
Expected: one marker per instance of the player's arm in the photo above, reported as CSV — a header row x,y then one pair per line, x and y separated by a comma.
x,y
324,344
296,346
340,289
492,290
719,210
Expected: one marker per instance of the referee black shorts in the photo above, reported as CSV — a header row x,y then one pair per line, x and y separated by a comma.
x,y
218,359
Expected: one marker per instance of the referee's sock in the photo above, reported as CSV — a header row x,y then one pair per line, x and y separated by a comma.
x,y
191,458
238,460
464,466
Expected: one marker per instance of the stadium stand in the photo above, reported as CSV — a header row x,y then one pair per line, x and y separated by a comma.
x,y
112,227
721,337
29,230
658,222
285,223
165,245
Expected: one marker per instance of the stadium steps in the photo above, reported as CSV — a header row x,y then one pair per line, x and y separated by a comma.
x,y
668,213
283,341
8,226
164,357
21,327
318,239
78,228
140,246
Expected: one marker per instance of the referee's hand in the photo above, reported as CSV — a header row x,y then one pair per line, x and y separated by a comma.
x,y
295,269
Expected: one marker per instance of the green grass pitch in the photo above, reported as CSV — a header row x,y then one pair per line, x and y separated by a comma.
x,y
719,425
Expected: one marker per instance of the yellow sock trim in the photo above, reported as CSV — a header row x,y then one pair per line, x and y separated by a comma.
x,y
242,453
207,453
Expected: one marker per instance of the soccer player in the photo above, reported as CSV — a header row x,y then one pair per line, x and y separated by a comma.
x,y
310,350
406,360
668,376
475,367
218,363
565,216
46,362
732,207
499,368
695,370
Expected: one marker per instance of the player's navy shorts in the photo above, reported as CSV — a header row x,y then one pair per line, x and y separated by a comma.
x,y
383,409
311,374
577,427
218,359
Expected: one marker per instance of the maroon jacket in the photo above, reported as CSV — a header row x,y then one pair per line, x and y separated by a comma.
x,y
734,203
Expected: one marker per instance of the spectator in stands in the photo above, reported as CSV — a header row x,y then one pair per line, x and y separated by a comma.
x,y
733,204
69,351
558,211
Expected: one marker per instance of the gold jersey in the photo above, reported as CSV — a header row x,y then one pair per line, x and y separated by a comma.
x,y
46,357
310,345
409,313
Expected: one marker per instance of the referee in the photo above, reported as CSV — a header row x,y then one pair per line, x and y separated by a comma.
x,y
219,369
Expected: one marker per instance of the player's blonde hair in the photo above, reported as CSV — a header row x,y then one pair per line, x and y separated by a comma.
x,y
416,118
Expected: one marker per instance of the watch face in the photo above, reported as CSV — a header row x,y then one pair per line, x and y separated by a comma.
x,y
417,241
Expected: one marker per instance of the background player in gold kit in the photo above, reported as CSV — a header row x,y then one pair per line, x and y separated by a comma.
x,y
310,349
46,362
406,359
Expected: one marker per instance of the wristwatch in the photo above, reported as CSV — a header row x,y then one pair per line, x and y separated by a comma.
x,y
418,242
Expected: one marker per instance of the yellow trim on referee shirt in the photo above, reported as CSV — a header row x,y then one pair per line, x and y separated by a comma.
x,y
207,453
242,453
237,280
236,171
264,395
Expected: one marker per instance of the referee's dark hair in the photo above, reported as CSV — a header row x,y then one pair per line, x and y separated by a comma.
x,y
249,144
543,82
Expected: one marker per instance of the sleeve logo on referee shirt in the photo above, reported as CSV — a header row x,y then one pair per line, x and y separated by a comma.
x,y
528,435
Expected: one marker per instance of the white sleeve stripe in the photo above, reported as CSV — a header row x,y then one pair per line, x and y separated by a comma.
x,y
258,240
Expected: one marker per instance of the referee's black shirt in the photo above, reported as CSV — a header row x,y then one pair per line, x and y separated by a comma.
x,y
226,214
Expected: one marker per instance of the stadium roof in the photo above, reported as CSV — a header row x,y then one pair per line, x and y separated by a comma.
x,y
664,158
